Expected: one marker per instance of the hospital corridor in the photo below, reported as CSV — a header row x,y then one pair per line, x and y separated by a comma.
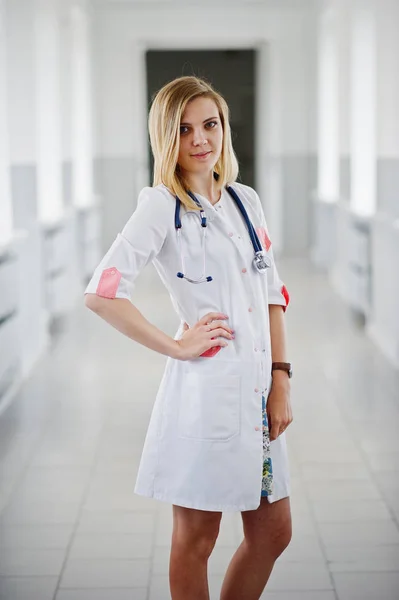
x,y
90,462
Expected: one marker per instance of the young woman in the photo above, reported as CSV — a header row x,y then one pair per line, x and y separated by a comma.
x,y
215,440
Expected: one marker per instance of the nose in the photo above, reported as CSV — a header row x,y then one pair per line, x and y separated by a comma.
x,y
199,139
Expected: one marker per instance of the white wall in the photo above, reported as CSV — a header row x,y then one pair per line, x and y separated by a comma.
x,y
66,80
388,78
343,19
21,81
39,89
364,222
6,216
124,30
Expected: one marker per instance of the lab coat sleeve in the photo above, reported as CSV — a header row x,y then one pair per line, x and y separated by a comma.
x,y
277,292
140,240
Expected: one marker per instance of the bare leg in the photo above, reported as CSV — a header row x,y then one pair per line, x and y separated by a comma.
x,y
194,536
267,532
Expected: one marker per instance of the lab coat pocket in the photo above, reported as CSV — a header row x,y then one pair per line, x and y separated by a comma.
x,y
209,408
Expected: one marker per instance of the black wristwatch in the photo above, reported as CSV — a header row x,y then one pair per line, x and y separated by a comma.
x,y
282,366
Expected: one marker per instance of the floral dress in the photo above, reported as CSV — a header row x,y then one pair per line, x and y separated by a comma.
x,y
267,472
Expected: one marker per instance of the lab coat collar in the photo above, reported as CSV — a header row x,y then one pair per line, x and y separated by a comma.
x,y
216,212
212,212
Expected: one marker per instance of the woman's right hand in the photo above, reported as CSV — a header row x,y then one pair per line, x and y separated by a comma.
x,y
198,339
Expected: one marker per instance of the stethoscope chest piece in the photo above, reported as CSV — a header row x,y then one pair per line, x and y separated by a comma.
x,y
261,262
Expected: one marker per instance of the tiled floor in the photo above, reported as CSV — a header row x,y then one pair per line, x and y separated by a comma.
x,y
71,527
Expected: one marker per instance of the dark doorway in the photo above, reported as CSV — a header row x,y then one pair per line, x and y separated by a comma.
x,y
232,73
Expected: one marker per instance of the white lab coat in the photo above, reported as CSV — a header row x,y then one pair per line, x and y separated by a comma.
x,y
203,447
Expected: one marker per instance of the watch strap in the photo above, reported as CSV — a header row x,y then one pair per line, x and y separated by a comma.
x,y
282,366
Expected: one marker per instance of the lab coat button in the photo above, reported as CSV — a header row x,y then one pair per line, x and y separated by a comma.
x,y
250,309
255,349
243,270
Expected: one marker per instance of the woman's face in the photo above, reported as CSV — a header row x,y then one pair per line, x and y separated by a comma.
x,y
201,136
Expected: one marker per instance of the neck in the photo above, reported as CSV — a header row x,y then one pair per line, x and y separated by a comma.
x,y
205,185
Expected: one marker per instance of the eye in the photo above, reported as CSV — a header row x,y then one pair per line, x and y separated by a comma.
x,y
183,129
211,124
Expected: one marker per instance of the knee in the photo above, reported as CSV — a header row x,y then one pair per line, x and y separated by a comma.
x,y
205,544
198,543
273,543
280,539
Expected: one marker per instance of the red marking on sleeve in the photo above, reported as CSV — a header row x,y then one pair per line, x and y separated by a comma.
x,y
286,295
109,282
264,238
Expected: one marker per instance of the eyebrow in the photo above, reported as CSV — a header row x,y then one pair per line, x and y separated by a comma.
x,y
206,120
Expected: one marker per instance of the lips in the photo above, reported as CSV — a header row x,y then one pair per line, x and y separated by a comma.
x,y
202,153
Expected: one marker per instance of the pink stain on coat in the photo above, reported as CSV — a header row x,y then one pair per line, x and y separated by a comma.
x,y
109,282
286,295
264,238
212,351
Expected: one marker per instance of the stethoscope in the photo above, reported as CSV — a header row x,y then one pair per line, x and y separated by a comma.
x,y
261,261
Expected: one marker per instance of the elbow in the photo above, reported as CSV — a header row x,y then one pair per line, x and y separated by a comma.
x,y
98,304
91,301
101,305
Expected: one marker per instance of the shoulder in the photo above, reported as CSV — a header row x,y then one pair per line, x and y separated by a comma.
x,y
158,196
156,202
153,210
249,195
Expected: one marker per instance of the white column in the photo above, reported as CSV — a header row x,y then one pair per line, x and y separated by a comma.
x,y
388,80
82,118
140,132
327,192
6,221
343,34
363,109
269,138
384,322
32,335
351,273
49,111
328,108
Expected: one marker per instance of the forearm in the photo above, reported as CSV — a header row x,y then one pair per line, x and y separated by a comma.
x,y
278,337
126,318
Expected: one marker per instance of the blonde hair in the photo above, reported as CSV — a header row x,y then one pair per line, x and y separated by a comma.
x,y
164,127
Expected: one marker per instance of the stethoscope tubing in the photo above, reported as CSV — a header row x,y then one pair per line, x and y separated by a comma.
x,y
259,254
251,230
